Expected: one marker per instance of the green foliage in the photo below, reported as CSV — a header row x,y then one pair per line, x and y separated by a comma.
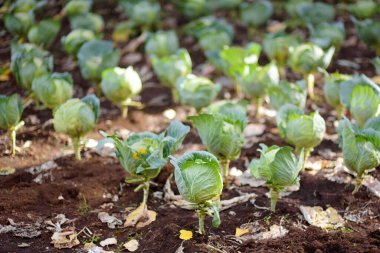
x,y
279,167
287,93
199,181
368,32
11,110
327,35
364,9
161,43
361,97
88,21
141,12
169,68
18,24
53,89
331,89
121,85
376,64
196,91
360,149
302,131
29,62
257,13
277,46
291,6
76,118
315,13
77,7
191,8
44,33
75,39
213,5
95,56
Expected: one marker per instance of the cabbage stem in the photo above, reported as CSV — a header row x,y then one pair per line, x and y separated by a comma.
x,y
145,187
340,111
124,111
258,104
77,148
282,72
201,220
310,85
274,197
306,155
98,91
225,166
358,183
12,136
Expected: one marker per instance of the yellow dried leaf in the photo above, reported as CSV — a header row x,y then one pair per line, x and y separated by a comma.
x,y
241,231
185,234
135,216
376,79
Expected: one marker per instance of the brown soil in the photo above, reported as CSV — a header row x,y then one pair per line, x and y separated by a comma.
x,y
86,185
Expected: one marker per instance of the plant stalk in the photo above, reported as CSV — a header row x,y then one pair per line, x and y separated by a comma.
x,y
77,148
146,186
258,104
98,91
310,85
358,184
124,111
201,220
225,167
340,112
274,197
12,135
306,155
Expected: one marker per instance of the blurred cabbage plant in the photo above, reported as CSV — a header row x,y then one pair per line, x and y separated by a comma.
x,y
88,21
161,43
198,180
368,32
287,93
77,117
363,9
141,13
77,7
196,91
44,33
257,13
11,110
331,91
279,168
75,39
327,35
120,86
315,13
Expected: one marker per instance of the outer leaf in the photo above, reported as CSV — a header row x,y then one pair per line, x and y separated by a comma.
x,y
287,93
364,104
11,110
88,21
161,43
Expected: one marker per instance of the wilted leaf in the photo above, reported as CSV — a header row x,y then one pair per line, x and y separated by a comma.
x,y
329,219
185,234
131,245
241,231
65,239
111,221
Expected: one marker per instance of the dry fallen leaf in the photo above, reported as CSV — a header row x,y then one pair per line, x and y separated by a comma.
x,y
5,171
111,221
140,216
241,231
329,219
185,234
131,245
108,241
65,239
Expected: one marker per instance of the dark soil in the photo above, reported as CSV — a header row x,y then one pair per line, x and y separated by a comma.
x,y
86,185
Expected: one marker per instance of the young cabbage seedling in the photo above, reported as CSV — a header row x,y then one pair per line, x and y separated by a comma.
x,y
360,148
77,117
169,68
11,110
327,35
287,93
221,131
144,154
361,97
315,13
44,33
161,43
94,57
255,14
279,168
306,59
368,32
120,86
254,83
196,91
331,91
304,132
73,41
199,181
141,13
77,7
53,89
88,21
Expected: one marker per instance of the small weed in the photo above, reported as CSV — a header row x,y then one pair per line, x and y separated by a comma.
x,y
84,208
267,219
92,239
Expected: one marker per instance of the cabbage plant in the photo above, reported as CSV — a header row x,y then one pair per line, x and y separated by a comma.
x,y
221,131
287,93
53,89
88,21
306,59
72,42
199,182
315,13
213,5
11,110
94,57
191,8
144,154
257,13
143,13
196,91
368,32
29,62
120,86
360,149
279,168
161,43
277,48
376,64
327,35
169,68
361,97
77,117
331,91
77,7
304,132
364,8
254,82
212,33
44,33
